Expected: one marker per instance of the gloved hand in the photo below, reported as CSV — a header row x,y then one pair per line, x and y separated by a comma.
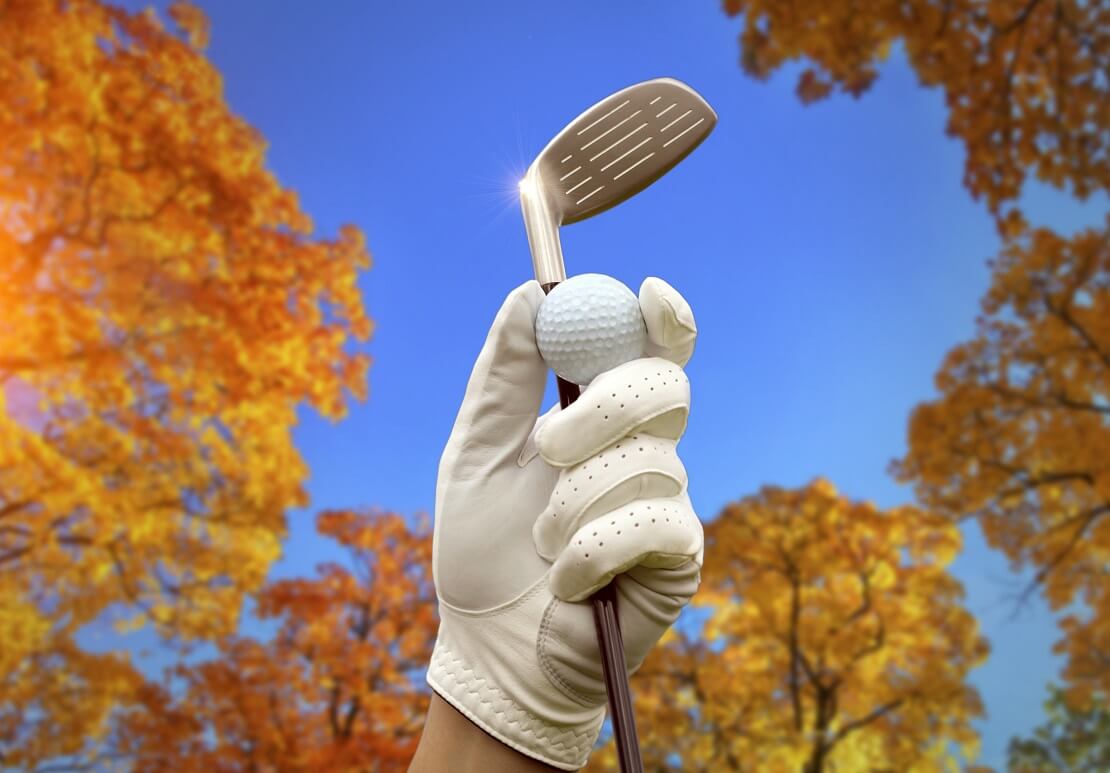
x,y
532,516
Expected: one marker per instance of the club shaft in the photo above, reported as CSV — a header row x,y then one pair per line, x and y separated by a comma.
x,y
575,177
615,671
610,643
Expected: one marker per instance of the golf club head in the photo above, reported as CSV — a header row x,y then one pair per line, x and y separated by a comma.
x,y
608,154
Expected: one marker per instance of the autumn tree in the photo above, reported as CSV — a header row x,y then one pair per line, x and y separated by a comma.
x,y
1019,437
1071,739
165,309
338,687
1024,80
835,640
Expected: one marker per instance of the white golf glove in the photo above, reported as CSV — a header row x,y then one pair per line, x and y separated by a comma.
x,y
533,516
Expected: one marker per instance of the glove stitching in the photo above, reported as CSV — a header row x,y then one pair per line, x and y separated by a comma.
x,y
508,606
687,329
547,664
447,674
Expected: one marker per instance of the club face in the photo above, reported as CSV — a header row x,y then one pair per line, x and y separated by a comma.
x,y
620,146
608,154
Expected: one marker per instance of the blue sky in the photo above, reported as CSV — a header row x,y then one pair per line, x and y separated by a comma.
x,y
829,252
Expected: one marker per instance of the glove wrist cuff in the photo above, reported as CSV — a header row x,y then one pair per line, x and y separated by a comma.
x,y
506,693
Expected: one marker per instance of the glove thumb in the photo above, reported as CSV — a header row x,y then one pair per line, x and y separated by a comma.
x,y
670,322
504,393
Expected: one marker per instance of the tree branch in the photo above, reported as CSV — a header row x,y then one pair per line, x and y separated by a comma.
x,y
1064,315
1087,520
867,719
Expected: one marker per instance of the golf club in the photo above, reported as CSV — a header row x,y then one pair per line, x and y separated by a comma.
x,y
606,155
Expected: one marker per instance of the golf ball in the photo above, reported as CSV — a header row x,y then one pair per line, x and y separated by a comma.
x,y
587,325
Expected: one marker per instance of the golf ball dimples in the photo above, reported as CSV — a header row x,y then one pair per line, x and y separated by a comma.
x,y
587,325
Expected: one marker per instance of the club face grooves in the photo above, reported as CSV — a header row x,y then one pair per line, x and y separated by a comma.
x,y
621,145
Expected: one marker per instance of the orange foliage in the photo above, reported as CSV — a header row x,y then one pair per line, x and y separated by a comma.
x,y
835,640
1020,435
340,685
1025,80
56,700
164,309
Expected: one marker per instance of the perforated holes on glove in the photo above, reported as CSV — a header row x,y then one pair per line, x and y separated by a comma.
x,y
649,395
636,467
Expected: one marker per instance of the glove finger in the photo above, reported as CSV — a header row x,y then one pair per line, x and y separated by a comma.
x,y
656,533
504,393
636,467
649,395
649,601
669,320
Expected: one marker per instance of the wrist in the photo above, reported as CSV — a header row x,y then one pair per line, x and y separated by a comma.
x,y
451,742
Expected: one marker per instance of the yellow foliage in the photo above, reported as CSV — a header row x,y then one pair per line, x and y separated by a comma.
x,y
1019,437
22,630
836,640
1024,81
165,310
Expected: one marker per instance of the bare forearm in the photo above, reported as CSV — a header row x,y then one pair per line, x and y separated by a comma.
x,y
451,742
